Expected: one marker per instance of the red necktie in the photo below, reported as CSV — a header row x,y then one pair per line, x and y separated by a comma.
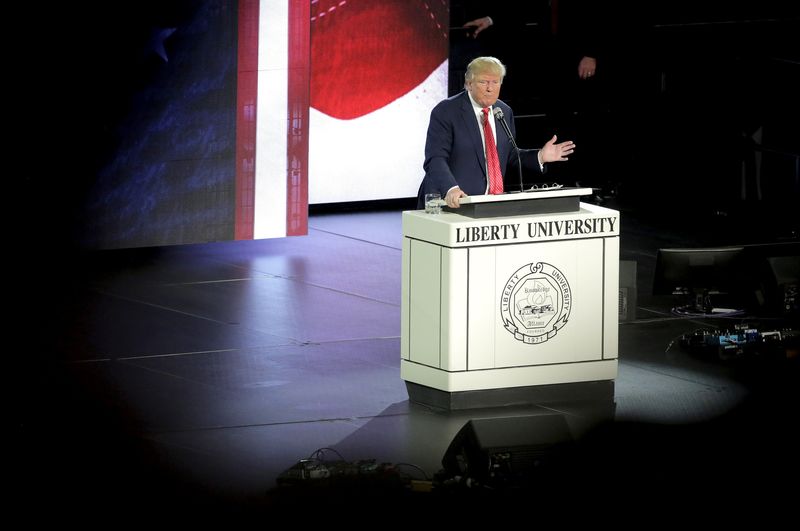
x,y
492,160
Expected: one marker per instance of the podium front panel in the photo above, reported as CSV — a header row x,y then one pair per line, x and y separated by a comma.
x,y
455,270
548,307
425,288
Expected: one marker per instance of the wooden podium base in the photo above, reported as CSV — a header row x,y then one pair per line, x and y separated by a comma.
x,y
597,392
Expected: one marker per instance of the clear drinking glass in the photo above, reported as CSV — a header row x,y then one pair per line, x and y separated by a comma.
x,y
433,203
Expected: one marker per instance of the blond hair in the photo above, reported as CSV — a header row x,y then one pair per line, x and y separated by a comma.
x,y
485,65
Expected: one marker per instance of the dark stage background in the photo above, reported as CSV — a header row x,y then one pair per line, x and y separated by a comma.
x,y
693,103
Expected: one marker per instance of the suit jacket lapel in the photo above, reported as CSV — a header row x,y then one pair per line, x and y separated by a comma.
x,y
473,129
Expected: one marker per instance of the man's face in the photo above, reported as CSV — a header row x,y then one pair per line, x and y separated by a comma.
x,y
484,89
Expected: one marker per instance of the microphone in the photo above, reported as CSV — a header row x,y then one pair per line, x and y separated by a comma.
x,y
498,115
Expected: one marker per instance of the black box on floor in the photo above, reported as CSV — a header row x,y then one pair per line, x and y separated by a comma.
x,y
627,290
506,450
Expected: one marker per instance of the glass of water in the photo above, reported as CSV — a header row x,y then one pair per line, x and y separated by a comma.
x,y
433,203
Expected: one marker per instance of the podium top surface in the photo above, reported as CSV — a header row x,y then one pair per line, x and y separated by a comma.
x,y
527,195
540,201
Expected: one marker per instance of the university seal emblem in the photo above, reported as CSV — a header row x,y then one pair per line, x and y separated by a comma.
x,y
535,303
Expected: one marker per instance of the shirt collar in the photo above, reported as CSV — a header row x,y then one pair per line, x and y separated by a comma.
x,y
477,108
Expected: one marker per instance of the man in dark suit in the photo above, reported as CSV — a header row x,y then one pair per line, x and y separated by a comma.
x,y
455,154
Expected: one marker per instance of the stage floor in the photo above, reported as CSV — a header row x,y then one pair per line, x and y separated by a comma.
x,y
193,376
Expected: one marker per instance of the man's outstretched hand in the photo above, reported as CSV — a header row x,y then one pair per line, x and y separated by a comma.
x,y
552,152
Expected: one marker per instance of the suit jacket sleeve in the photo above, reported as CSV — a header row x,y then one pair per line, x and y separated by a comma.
x,y
438,150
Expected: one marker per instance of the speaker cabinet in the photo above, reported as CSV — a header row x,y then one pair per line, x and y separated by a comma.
x,y
506,450
627,290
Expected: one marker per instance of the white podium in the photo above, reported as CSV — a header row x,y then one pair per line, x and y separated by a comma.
x,y
517,291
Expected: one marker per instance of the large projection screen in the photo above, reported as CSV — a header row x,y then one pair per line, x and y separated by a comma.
x,y
213,121
377,69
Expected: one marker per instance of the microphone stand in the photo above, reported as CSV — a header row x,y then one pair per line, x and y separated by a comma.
x,y
498,114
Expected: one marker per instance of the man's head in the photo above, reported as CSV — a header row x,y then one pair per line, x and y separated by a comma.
x,y
483,80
